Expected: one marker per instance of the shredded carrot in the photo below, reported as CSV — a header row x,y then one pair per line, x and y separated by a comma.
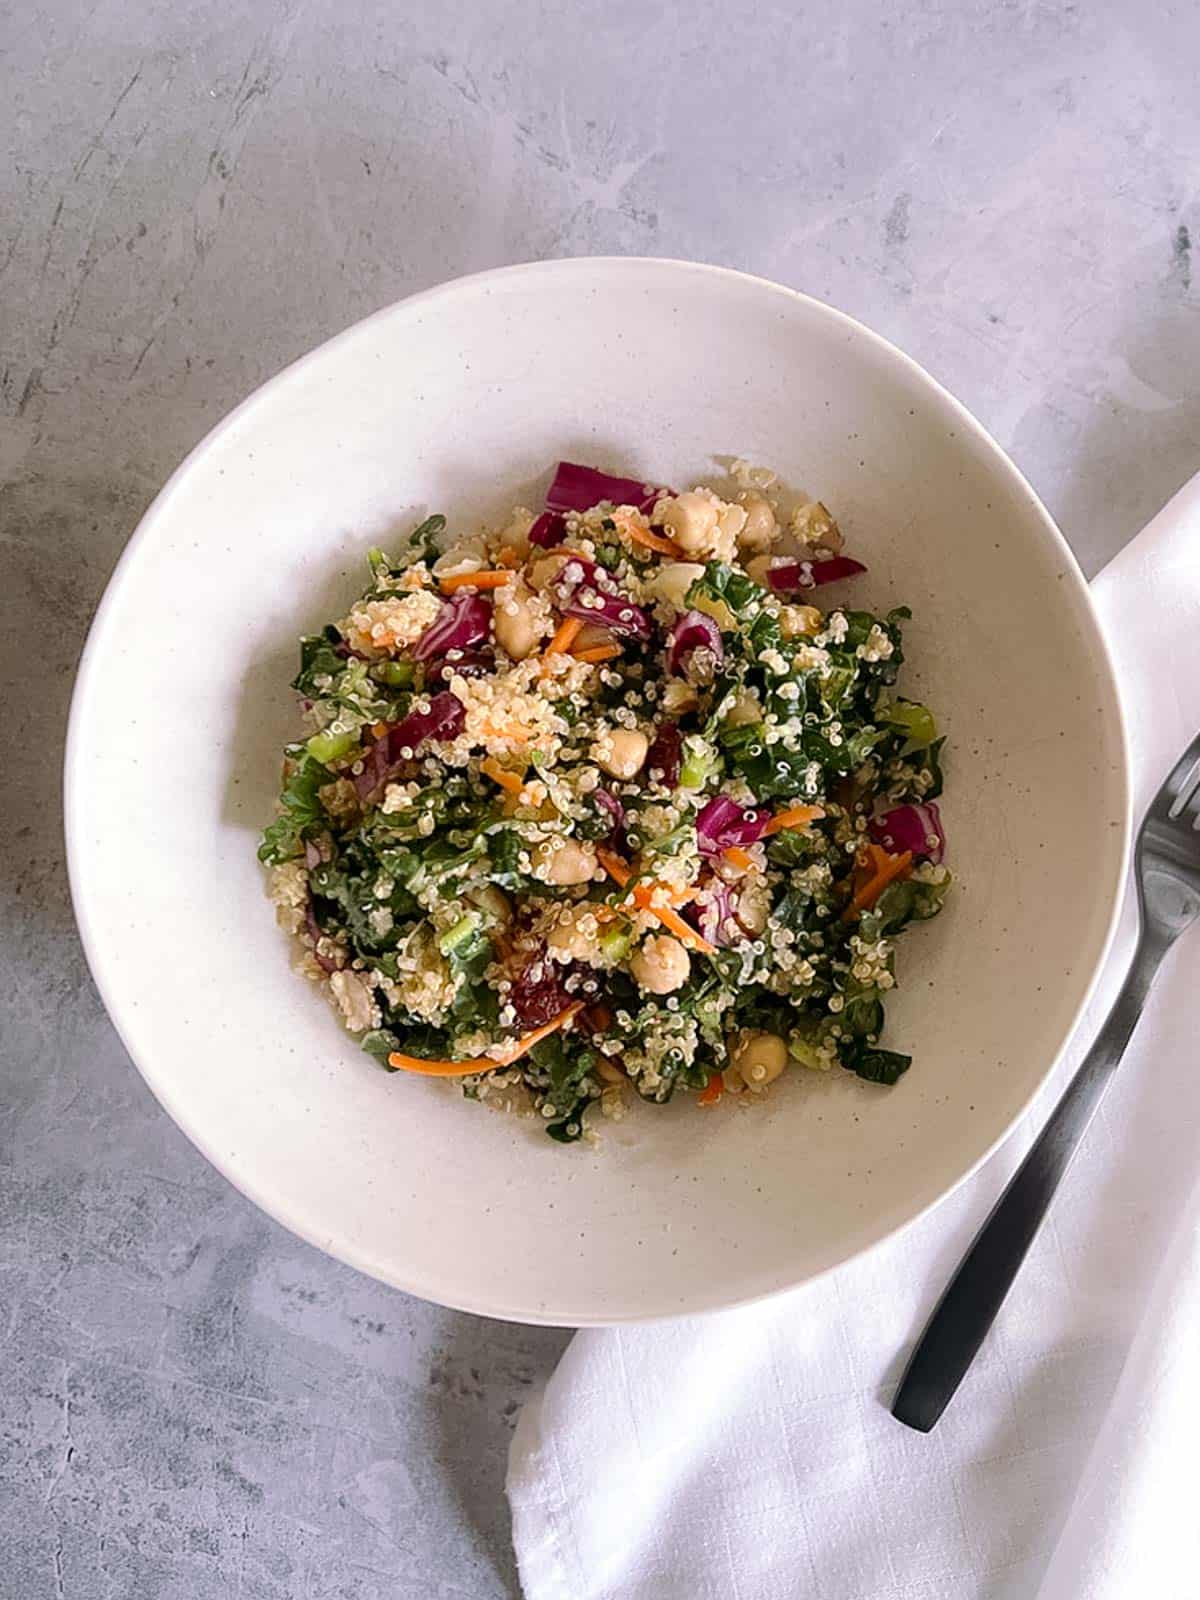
x,y
509,557
793,817
712,1090
498,774
885,869
618,870
567,632
379,729
474,580
738,857
674,923
598,652
652,541
644,895
464,1069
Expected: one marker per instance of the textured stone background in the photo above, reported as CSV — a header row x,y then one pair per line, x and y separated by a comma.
x,y
193,1404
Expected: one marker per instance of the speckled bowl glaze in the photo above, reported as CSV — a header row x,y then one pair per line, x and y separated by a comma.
x,y
460,400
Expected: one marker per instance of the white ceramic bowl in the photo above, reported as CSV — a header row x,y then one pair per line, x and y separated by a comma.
x,y
460,400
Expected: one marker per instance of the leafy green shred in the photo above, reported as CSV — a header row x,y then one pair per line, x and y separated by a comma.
x,y
301,812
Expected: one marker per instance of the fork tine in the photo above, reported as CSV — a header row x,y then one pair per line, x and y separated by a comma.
x,y
1180,786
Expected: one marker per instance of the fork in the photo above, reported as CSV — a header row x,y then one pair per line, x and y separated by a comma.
x,y
1167,881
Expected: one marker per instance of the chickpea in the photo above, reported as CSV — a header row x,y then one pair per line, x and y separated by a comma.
x,y
797,621
573,937
673,580
660,965
563,862
760,527
759,1058
731,524
513,622
621,752
691,520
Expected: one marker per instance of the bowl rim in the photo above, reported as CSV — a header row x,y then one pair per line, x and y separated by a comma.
x,y
73,801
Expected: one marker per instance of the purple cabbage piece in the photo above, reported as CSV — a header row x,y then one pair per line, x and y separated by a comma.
x,y
665,754
608,802
539,993
722,823
443,720
608,605
577,488
548,530
715,912
466,664
802,574
693,631
917,828
463,621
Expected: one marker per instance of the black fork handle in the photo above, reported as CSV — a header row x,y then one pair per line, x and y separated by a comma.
x,y
975,1294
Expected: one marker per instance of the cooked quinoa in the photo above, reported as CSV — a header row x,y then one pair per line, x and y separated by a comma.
x,y
602,801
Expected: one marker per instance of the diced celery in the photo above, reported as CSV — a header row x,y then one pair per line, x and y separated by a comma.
x,y
615,942
326,747
457,935
397,674
699,763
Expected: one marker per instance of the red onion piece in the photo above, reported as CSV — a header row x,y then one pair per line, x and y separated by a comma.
x,y
911,827
462,622
577,488
443,720
607,603
722,823
665,754
548,530
693,631
791,575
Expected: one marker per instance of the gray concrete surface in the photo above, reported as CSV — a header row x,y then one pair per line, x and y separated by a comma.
x,y
193,1404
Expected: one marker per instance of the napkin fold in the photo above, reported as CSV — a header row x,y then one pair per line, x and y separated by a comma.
x,y
750,1454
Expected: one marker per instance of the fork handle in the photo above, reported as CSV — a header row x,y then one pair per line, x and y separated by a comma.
x,y
975,1294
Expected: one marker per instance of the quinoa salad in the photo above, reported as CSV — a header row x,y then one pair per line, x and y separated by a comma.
x,y
603,803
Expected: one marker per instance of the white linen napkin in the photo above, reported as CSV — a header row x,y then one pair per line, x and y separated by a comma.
x,y
750,1454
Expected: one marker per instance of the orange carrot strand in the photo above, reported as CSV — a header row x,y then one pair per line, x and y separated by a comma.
x,y
429,1068
564,638
599,652
793,817
474,580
